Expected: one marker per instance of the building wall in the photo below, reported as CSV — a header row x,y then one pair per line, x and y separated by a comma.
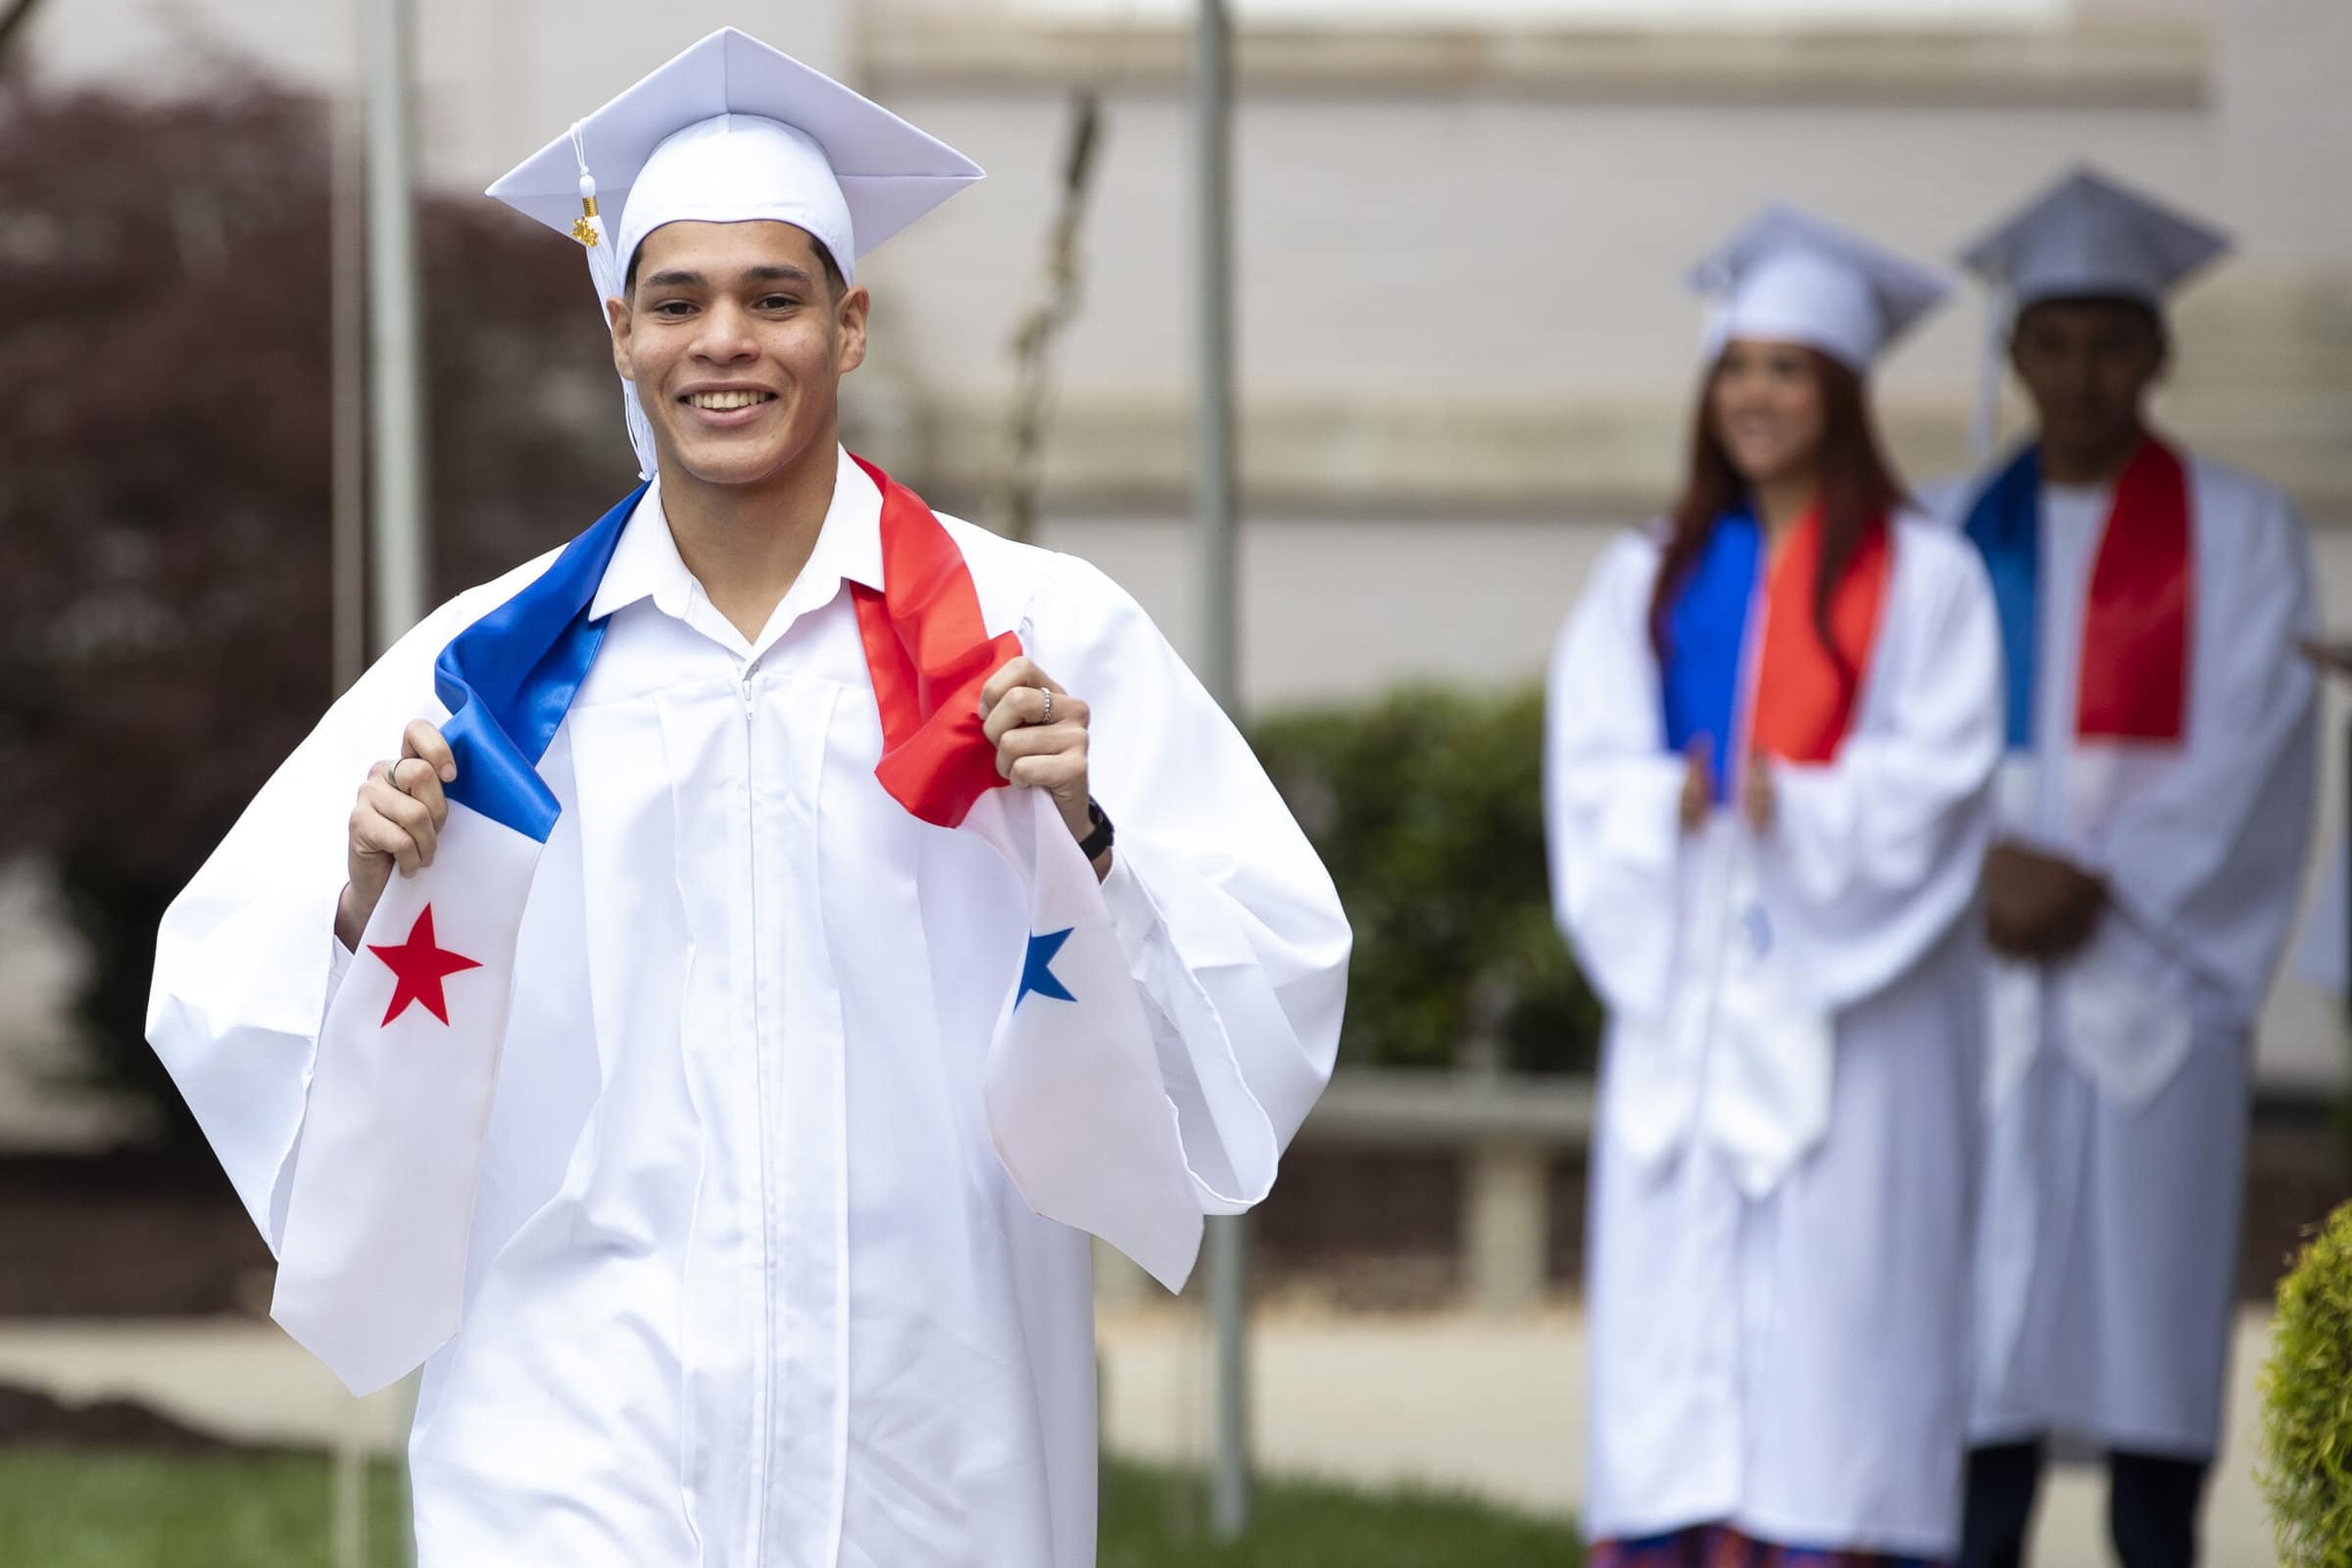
x,y
1494,250
495,80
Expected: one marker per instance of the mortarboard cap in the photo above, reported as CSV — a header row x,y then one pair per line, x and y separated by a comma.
x,y
1787,276
2087,237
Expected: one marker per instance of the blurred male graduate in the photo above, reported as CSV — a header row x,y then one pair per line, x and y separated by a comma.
x,y
717,1101
2152,816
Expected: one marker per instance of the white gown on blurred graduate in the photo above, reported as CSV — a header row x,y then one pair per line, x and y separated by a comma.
x,y
744,1279
2118,1079
1784,1155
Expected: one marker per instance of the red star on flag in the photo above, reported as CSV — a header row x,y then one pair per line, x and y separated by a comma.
x,y
418,965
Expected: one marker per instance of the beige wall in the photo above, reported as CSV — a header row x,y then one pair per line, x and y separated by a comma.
x,y
496,79
1492,249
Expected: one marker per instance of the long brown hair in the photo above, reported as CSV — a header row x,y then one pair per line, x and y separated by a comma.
x,y
1858,493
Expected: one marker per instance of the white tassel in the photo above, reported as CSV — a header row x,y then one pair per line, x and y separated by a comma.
x,y
1991,365
605,270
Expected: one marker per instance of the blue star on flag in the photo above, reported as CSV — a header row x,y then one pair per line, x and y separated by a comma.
x,y
1037,969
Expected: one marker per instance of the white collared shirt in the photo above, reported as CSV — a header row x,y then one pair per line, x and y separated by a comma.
x,y
646,565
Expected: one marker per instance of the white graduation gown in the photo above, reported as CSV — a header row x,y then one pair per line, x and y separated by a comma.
x,y
2115,1162
747,1282
1782,1349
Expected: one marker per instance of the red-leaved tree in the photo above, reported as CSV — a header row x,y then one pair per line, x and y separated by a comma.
x,y
164,477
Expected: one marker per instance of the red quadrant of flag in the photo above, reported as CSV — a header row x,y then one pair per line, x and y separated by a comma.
x,y
418,965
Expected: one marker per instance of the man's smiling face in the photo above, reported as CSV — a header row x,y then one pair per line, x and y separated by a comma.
x,y
736,336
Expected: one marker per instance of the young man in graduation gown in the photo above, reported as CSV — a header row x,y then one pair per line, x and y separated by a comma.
x,y
2154,815
727,995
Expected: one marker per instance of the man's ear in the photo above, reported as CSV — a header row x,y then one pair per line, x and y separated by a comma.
x,y
849,320
617,317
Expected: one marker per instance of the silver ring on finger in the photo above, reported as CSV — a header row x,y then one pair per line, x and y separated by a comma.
x,y
392,773
1047,717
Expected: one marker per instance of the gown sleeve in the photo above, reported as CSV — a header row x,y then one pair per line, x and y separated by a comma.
x,y
1873,857
1612,793
1229,924
2207,859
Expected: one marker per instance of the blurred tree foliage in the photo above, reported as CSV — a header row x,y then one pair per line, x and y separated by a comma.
x,y
1427,805
164,475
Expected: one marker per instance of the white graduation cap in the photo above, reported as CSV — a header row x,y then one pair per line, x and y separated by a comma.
x,y
2087,237
1787,276
733,131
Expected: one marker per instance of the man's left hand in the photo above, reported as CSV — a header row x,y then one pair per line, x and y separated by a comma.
x,y
1039,734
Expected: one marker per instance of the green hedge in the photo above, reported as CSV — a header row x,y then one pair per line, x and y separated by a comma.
x,y
2306,1472
1427,805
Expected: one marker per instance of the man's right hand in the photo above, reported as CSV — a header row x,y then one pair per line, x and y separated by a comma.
x,y
395,823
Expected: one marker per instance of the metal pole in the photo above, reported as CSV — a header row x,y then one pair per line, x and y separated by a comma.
x,y
1213,476
1228,1240
347,354
350,1472
396,411
347,575
397,471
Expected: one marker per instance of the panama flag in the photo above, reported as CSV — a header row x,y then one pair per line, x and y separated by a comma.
x,y
372,1265
1077,1108
1076,1105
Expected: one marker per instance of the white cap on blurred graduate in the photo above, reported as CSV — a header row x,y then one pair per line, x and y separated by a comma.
x,y
1787,276
732,132
2087,237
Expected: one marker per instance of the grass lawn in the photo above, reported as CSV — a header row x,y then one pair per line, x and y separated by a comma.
x,y
1159,1519
63,1509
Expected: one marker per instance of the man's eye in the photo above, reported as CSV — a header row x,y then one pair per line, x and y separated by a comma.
x,y
778,302
674,309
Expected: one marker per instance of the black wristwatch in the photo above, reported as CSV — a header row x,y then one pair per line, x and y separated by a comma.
x,y
1097,842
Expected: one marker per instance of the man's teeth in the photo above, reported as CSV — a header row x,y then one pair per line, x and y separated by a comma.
x,y
721,401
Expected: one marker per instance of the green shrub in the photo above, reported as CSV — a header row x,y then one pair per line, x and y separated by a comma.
x,y
2306,1470
1427,805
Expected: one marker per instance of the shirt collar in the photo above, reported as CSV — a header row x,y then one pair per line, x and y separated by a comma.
x,y
646,563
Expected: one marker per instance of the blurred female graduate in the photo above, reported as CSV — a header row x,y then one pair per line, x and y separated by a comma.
x,y
1774,721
